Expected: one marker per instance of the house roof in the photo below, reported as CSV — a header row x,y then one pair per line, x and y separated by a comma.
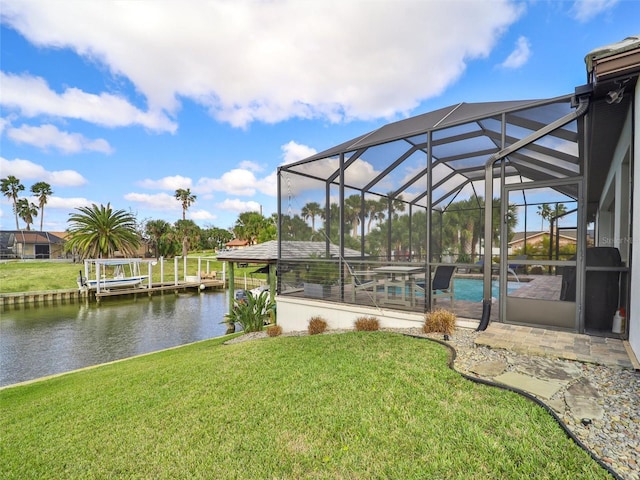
x,y
33,236
267,252
565,233
236,242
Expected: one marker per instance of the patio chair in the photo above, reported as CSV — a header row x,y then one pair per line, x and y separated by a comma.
x,y
517,267
442,283
362,281
479,266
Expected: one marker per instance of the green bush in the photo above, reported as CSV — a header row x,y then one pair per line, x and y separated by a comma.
x,y
252,313
317,325
367,324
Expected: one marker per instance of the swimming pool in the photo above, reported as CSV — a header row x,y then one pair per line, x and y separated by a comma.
x,y
470,289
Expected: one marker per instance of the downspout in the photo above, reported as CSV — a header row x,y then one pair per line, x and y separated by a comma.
x,y
583,106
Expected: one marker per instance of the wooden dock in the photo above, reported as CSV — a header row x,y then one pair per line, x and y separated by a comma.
x,y
75,295
159,288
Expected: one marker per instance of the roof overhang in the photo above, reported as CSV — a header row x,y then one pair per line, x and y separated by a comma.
x,y
613,72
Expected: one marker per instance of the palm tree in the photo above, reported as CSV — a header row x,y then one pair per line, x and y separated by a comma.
x,y
43,191
251,226
375,212
312,210
544,211
559,210
397,205
352,213
26,211
98,231
185,197
157,231
189,232
10,188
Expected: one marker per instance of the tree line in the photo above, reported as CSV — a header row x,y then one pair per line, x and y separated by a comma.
x,y
456,230
99,231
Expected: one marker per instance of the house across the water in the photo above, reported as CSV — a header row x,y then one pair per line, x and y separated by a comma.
x,y
32,244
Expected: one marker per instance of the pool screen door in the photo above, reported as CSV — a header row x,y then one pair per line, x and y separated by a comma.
x,y
539,269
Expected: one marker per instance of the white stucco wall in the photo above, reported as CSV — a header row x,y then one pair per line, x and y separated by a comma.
x,y
633,316
294,314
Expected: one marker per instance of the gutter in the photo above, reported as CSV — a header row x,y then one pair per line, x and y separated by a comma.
x,y
583,106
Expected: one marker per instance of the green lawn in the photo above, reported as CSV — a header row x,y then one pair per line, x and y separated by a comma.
x,y
32,276
358,405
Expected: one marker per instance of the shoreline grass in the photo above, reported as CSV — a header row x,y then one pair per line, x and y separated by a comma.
x,y
354,405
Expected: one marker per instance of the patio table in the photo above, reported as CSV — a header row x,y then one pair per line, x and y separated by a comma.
x,y
398,283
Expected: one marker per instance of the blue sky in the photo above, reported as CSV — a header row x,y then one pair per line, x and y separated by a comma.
x,y
124,102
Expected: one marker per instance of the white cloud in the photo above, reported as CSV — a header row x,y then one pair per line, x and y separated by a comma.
x,y
200,215
167,183
249,165
269,184
4,123
69,203
105,109
520,54
158,201
26,170
293,151
234,182
585,10
236,205
48,136
261,61
57,203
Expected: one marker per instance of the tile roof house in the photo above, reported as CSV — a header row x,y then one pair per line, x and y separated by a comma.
x,y
236,243
30,244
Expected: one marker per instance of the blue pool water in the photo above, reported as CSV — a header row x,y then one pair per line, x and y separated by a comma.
x,y
470,289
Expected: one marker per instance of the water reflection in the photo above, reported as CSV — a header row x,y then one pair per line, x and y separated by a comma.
x,y
43,340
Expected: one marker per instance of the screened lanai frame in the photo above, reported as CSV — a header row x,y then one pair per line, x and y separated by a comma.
x,y
425,163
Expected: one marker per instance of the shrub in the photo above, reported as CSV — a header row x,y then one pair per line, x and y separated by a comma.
x,y
536,270
251,313
317,325
440,320
367,324
274,330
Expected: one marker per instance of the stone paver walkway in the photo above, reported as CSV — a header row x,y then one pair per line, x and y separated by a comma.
x,y
588,381
555,344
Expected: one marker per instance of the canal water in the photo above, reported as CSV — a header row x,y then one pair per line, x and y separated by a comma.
x,y
36,341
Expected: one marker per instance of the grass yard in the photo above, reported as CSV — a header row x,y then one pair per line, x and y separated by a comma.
x,y
359,405
31,276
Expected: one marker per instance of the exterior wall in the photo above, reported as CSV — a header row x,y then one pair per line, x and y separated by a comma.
x,y
294,315
613,215
633,316
538,239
